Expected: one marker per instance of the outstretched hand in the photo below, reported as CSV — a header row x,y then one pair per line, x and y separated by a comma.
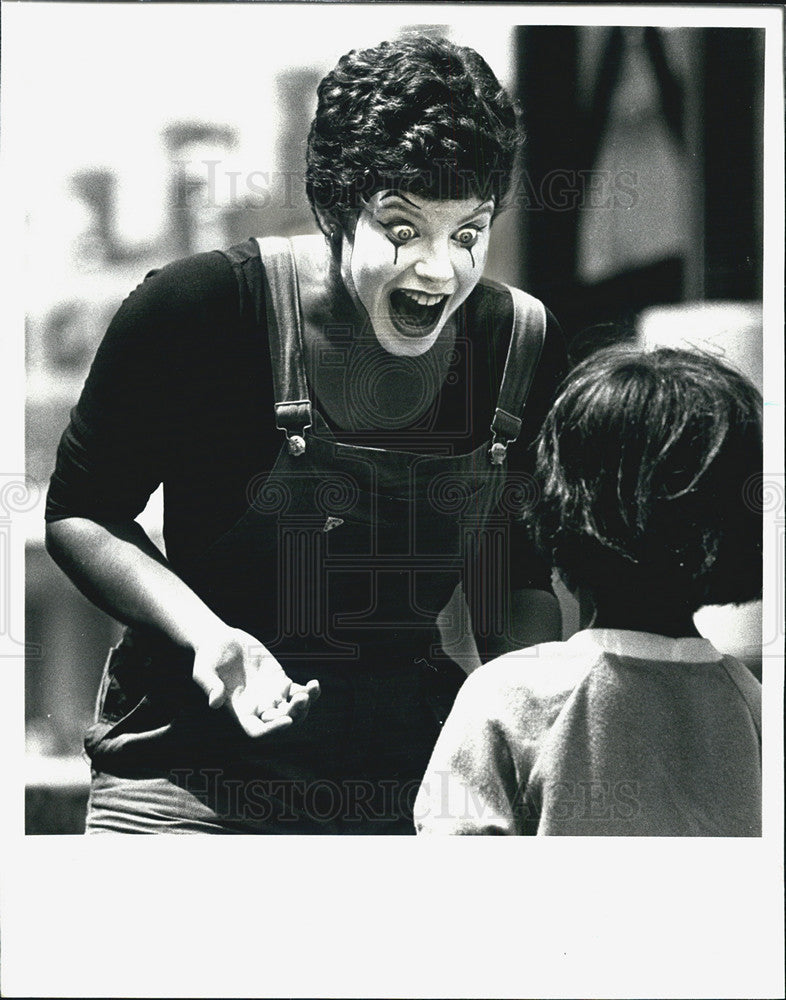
x,y
234,668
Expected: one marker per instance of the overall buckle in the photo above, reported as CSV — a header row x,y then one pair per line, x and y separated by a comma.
x,y
498,452
505,428
294,419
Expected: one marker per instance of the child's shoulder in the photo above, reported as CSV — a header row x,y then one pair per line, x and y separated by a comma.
x,y
539,674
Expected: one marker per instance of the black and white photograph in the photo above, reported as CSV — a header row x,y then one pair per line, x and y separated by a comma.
x,y
395,448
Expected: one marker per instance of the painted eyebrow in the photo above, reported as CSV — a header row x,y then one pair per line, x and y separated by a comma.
x,y
484,206
395,194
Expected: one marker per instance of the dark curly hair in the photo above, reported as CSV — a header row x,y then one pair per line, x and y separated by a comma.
x,y
647,466
418,114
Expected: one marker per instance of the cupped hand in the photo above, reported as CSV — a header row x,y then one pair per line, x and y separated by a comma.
x,y
234,668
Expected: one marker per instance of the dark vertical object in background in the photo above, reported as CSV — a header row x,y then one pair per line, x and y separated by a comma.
x,y
671,91
295,97
547,71
594,129
733,78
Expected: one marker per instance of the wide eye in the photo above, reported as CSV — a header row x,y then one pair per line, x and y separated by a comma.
x,y
467,236
401,232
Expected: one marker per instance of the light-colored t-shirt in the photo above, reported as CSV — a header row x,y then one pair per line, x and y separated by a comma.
x,y
611,733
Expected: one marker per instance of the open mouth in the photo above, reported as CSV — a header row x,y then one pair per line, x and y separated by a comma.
x,y
415,314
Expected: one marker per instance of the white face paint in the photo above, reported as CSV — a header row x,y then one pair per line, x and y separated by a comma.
x,y
412,262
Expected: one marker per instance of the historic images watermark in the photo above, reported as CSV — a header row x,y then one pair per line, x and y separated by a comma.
x,y
355,801
212,183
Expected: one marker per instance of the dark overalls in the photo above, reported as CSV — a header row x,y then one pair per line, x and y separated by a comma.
x,y
340,566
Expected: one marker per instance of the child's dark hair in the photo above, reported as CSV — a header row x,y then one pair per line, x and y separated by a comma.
x,y
419,114
645,465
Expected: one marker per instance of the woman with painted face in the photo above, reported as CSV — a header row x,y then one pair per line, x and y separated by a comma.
x,y
342,427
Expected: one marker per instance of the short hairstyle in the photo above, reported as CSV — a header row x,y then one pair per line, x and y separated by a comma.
x,y
647,467
419,114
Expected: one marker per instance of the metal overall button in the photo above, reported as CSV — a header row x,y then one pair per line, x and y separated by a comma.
x,y
296,445
498,452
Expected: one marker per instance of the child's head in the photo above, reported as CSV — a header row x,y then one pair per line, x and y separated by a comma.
x,y
645,468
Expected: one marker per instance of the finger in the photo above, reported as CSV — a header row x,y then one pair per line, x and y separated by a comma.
x,y
255,727
270,690
313,689
277,725
217,694
297,707
270,713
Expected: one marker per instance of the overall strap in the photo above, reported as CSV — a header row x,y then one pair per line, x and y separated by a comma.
x,y
282,303
526,345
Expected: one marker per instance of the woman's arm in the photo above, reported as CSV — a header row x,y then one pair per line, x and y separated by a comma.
x,y
125,432
118,568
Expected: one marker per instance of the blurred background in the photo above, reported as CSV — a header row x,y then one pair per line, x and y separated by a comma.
x,y
147,136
